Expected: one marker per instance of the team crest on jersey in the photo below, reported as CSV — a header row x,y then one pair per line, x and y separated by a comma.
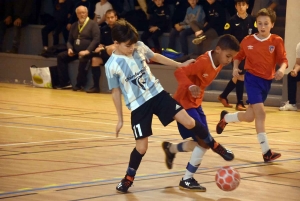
x,y
227,26
139,81
271,48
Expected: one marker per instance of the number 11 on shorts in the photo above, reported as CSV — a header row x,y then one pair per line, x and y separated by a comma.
x,y
137,131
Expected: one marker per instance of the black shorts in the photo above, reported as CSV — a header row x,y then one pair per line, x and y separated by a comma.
x,y
162,105
241,67
103,55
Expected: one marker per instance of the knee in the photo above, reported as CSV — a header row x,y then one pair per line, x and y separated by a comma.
x,y
96,61
142,149
189,123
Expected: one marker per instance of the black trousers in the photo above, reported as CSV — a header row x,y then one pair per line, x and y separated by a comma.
x,y
57,28
154,36
292,87
62,66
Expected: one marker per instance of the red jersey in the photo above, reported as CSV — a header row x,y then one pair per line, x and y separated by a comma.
x,y
262,55
201,73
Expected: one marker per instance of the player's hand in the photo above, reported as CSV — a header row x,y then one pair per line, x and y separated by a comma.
x,y
294,73
195,91
187,62
118,127
235,72
279,75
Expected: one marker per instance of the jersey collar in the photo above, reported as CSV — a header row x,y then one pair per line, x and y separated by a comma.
x,y
261,40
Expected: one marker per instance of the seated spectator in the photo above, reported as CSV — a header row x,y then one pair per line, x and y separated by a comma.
x,y
293,78
83,39
57,24
17,14
183,29
100,10
180,8
215,16
158,23
104,50
86,3
135,12
2,24
259,4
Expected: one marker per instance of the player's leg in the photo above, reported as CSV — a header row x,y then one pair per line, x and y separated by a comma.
x,y
240,88
167,109
229,87
141,120
96,72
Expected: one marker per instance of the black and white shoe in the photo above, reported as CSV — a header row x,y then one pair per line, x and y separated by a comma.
x,y
191,184
169,156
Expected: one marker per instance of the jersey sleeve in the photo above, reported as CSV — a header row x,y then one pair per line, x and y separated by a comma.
x,y
111,75
181,74
280,52
147,51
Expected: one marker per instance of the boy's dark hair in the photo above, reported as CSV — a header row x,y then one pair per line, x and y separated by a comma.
x,y
267,12
228,42
123,32
238,1
111,11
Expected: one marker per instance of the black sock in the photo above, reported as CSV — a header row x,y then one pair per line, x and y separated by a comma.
x,y
230,86
96,71
134,162
201,132
239,91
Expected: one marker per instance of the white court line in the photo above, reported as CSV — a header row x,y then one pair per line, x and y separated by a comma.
x,y
41,142
153,128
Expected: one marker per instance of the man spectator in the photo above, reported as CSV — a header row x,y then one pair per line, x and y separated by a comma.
x,y
83,39
104,50
17,13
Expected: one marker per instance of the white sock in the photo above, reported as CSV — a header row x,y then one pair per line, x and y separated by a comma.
x,y
183,147
263,141
194,162
231,117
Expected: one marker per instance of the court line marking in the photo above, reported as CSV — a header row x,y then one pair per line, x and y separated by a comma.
x,y
46,187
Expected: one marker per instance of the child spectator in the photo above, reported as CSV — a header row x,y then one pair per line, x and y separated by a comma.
x,y
158,23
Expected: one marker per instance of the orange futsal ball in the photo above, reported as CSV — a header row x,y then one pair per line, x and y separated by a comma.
x,y
227,178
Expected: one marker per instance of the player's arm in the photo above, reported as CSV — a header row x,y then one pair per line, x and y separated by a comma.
x,y
281,59
237,60
169,62
181,75
116,96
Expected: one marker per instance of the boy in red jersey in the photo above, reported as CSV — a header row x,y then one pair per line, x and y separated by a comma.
x,y
192,81
262,51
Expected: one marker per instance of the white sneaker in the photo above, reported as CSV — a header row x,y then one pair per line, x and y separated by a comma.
x,y
288,107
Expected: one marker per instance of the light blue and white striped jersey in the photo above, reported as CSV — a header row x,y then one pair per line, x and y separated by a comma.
x,y
133,76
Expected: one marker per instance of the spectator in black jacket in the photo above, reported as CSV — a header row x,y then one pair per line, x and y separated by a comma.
x,y
158,23
104,50
17,13
83,39
58,24
2,24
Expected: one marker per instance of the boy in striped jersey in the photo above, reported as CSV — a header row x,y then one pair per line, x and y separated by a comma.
x,y
262,52
129,75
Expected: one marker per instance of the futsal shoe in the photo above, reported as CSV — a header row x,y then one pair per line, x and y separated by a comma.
x,y
198,39
125,183
224,101
288,107
169,156
226,154
222,123
191,184
270,156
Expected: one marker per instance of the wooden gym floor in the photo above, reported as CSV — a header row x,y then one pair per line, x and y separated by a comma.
x,y
61,145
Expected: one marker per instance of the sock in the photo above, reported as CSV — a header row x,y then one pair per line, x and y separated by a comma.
x,y
96,71
233,117
230,86
194,162
263,141
202,133
239,91
183,147
134,162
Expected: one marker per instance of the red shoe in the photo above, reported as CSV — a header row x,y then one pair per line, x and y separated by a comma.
x,y
240,107
224,101
270,156
222,123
